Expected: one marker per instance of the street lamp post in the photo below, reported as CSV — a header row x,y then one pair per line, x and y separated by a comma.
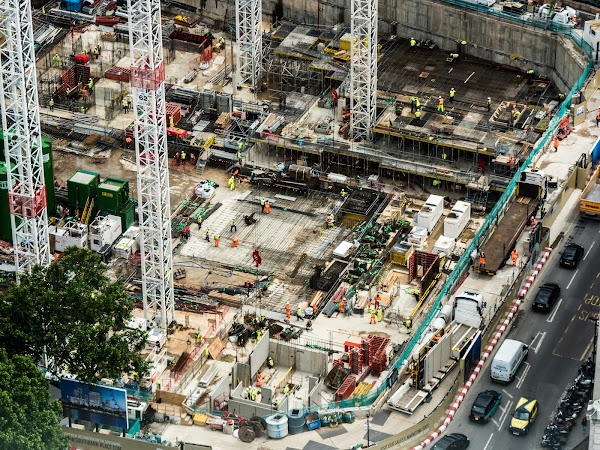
x,y
368,431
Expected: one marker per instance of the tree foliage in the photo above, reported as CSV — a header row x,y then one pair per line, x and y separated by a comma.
x,y
77,315
28,420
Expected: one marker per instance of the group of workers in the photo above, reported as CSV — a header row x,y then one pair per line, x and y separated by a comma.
x,y
181,158
374,309
250,393
127,103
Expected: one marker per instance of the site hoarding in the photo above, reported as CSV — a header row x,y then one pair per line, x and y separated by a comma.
x,y
102,405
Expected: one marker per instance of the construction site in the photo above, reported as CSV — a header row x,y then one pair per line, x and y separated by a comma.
x,y
291,205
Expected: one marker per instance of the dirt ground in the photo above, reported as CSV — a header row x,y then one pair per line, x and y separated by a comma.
x,y
181,180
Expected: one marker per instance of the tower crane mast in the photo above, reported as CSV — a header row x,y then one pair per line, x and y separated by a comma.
x,y
154,206
22,137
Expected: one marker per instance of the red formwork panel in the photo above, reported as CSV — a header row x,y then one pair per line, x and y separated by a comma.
x,y
346,389
348,345
355,361
366,351
118,74
172,110
148,78
26,206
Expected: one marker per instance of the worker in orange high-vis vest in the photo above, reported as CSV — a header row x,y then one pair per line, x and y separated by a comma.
x,y
533,222
514,254
373,320
267,207
440,104
482,259
556,144
216,240
234,242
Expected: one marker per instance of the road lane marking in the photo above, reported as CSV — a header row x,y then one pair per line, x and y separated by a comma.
x,y
504,414
586,349
553,315
522,379
504,390
488,442
495,423
541,335
589,250
574,275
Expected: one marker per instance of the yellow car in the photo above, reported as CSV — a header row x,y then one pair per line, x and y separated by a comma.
x,y
524,415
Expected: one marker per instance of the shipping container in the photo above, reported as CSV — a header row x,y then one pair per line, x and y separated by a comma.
x,y
457,220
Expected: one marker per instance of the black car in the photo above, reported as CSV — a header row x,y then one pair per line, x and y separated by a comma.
x,y
571,256
546,297
452,441
485,406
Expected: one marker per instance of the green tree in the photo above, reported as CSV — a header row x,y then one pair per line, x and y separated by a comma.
x,y
28,420
75,315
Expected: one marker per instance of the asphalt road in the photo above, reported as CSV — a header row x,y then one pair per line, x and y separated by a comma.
x,y
559,341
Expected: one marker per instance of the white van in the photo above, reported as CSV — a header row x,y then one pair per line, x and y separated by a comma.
x,y
509,357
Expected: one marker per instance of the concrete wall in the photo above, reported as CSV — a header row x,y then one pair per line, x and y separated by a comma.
x,y
241,374
315,385
301,358
89,440
220,388
259,354
489,37
248,408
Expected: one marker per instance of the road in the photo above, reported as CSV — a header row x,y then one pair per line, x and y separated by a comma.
x,y
559,341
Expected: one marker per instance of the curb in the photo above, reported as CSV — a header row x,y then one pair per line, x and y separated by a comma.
x,y
534,273
484,357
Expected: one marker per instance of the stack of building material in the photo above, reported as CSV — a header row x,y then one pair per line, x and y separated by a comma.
x,y
377,353
223,121
117,73
355,361
172,110
346,389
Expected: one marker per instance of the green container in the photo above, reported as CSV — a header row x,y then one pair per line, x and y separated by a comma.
x,y
48,170
49,174
5,225
81,186
127,215
113,195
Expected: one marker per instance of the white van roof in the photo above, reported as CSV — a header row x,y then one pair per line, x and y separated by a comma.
x,y
507,349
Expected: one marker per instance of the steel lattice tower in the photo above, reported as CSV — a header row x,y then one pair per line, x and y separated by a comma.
x,y
248,21
22,137
363,68
154,207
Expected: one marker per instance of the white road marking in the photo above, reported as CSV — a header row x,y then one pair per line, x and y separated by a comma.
x,y
504,414
504,390
590,249
488,442
551,317
541,336
572,278
522,379
496,423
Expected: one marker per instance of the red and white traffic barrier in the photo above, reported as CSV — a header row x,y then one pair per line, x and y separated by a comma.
x,y
484,357
534,273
